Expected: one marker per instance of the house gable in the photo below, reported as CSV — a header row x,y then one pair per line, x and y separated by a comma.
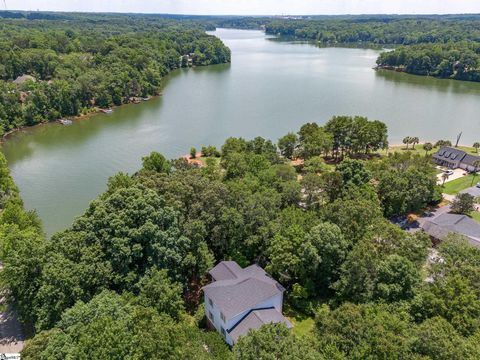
x,y
240,300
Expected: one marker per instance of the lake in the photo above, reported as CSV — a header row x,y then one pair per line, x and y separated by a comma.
x,y
271,88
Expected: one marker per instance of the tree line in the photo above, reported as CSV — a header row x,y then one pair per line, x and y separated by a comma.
x,y
84,63
341,136
400,30
459,60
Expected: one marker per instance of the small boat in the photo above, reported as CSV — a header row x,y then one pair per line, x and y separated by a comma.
x,y
65,122
146,98
106,111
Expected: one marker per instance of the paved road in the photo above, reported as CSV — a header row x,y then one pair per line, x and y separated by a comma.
x,y
11,334
443,209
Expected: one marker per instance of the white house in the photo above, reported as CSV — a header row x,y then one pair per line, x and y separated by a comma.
x,y
239,299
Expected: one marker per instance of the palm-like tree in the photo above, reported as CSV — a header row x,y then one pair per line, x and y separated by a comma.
x,y
476,166
445,177
407,140
427,147
476,146
414,140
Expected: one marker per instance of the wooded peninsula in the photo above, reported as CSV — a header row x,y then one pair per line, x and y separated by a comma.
x,y
71,65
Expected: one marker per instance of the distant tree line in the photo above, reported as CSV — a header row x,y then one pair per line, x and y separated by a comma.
x,y
406,30
440,46
454,60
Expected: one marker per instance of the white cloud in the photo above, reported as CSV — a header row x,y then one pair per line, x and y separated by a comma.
x,y
254,7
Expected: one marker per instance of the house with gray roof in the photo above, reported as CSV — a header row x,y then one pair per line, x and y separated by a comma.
x,y
441,226
240,299
455,158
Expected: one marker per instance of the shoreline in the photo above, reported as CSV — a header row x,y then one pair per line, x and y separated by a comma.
x,y
162,86
401,69
90,114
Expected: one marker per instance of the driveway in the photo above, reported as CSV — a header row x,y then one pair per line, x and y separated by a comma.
x,y
11,334
457,174
12,338
475,191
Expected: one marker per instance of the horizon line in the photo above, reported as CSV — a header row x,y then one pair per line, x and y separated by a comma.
x,y
242,15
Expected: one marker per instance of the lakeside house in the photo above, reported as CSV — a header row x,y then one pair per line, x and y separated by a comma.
x,y
454,158
441,226
240,299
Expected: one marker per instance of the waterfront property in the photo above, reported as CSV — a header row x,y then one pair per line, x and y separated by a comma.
x,y
454,158
238,300
441,226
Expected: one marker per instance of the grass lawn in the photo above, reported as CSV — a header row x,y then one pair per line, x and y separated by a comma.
x,y
455,186
302,324
402,148
475,216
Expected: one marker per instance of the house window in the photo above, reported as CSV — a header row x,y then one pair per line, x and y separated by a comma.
x,y
210,316
222,317
223,331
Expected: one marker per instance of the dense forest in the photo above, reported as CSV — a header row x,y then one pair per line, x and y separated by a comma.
x,y
460,61
123,281
76,63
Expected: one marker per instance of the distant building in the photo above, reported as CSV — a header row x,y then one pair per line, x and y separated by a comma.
x,y
439,227
239,299
23,79
454,158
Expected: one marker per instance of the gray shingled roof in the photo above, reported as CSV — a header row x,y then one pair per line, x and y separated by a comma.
x,y
251,287
445,224
226,270
255,320
449,153
470,159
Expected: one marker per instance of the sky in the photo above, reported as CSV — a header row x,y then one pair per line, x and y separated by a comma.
x,y
253,7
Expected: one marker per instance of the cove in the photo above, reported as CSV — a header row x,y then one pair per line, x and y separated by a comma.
x,y
271,88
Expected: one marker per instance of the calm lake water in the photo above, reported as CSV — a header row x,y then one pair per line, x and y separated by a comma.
x,y
270,88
